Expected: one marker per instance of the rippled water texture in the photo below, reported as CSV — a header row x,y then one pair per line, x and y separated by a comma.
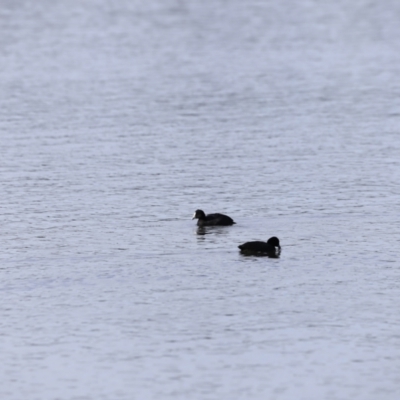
x,y
119,119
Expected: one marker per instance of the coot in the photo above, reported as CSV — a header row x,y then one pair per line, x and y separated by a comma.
x,y
271,248
212,219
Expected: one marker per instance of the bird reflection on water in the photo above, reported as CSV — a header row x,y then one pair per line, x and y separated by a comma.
x,y
275,254
202,230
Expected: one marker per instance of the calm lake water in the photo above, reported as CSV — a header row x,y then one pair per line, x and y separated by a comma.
x,y
119,119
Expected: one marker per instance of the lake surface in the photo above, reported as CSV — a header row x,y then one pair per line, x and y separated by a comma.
x,y
118,120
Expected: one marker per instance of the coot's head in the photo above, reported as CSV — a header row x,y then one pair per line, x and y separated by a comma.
x,y
274,241
199,214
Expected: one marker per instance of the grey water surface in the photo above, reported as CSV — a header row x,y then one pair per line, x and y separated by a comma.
x,y
119,119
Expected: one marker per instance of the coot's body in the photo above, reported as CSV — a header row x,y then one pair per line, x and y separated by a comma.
x,y
271,248
212,219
